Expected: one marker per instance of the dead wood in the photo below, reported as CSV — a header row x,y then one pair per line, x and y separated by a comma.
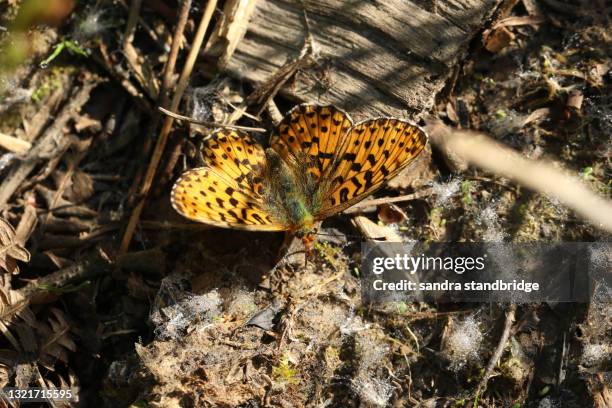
x,y
374,58
51,142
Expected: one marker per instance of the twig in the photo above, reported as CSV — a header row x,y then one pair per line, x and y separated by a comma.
x,y
14,144
163,136
130,26
95,264
148,83
387,200
83,149
540,176
268,89
174,49
510,315
146,27
163,97
273,112
514,189
45,147
210,124
103,58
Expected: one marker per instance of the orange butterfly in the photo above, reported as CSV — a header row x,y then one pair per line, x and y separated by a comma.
x,y
319,164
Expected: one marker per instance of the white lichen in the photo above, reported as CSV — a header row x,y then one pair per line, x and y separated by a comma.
x,y
352,325
462,345
443,192
595,354
188,309
372,392
242,303
90,24
489,219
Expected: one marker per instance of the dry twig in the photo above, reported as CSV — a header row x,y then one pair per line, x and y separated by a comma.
x,y
510,315
47,146
387,200
163,137
480,150
210,124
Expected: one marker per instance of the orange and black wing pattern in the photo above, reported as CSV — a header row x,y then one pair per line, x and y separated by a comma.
x,y
227,192
373,152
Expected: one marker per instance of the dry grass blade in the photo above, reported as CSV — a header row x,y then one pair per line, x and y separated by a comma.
x,y
10,250
510,317
388,200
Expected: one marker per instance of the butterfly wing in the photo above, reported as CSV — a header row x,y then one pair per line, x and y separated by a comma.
x,y
310,136
228,191
373,152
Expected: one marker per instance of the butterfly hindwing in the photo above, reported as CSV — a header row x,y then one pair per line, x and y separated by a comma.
x,y
228,191
373,152
310,135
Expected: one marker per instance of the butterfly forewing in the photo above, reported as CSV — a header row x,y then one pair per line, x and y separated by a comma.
x,y
236,155
228,191
310,136
373,152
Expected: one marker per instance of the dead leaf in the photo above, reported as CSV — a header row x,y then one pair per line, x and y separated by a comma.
x,y
418,174
78,189
391,214
86,122
597,74
14,144
574,100
451,113
10,251
536,116
497,39
373,231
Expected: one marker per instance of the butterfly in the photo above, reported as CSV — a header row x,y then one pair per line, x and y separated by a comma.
x,y
318,164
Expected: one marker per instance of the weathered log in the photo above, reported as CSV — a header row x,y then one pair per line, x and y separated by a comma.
x,y
374,57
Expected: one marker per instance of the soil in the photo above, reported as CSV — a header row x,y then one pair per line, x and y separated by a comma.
x,y
198,316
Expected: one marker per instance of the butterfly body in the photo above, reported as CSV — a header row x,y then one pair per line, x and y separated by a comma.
x,y
318,164
292,197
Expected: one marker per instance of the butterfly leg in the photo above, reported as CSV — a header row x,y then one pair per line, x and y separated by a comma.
x,y
308,241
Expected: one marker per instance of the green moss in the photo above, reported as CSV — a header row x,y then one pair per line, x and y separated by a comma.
x,y
329,253
466,190
50,83
284,372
